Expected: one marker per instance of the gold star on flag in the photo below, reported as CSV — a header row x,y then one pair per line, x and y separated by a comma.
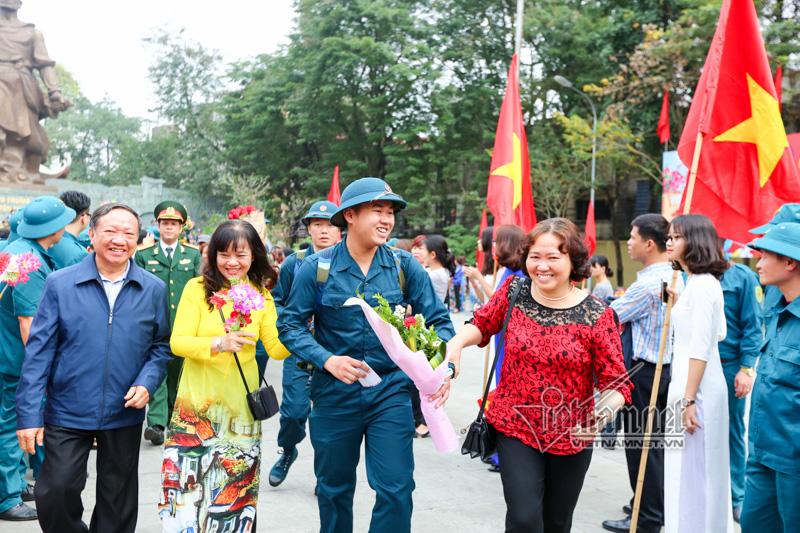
x,y
513,169
764,128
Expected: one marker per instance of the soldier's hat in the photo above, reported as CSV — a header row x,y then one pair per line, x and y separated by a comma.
x,y
170,210
783,239
44,216
365,190
323,210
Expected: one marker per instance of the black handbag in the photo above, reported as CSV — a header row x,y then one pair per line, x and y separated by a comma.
x,y
263,402
481,438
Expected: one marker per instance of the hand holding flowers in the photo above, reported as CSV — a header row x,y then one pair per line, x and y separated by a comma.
x,y
245,299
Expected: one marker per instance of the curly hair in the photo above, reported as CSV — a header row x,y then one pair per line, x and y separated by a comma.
x,y
571,244
702,251
233,233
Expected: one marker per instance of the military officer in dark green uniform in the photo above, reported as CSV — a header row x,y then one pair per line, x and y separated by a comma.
x,y
174,263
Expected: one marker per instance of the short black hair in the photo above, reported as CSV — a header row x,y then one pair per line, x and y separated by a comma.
x,y
77,201
652,227
105,209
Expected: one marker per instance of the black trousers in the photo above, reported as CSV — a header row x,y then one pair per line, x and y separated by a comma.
x,y
416,406
540,489
634,419
63,478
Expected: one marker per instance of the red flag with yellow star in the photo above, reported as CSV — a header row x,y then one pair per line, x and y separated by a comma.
x,y
509,197
745,171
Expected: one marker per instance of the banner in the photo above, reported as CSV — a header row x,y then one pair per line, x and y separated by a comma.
x,y
674,175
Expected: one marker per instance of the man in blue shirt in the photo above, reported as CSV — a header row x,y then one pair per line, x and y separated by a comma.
x,y
42,225
772,488
642,309
99,348
295,403
344,348
69,250
738,352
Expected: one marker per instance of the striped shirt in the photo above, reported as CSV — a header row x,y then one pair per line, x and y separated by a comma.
x,y
643,309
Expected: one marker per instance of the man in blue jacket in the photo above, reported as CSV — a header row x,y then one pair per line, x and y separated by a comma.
x,y
343,348
98,349
295,403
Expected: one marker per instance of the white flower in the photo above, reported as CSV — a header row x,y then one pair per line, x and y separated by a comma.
x,y
400,311
437,343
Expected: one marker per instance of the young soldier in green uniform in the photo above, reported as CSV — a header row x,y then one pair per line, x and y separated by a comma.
x,y
42,225
343,348
175,263
295,403
772,486
69,251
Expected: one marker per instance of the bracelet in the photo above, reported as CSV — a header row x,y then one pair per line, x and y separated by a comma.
x,y
685,402
452,369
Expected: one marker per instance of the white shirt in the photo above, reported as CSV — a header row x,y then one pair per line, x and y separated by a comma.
x,y
112,287
164,247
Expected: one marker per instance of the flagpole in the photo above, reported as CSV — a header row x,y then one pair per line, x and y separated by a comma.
x,y
518,30
648,432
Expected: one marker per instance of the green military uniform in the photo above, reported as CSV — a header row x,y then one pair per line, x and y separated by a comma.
x,y
184,265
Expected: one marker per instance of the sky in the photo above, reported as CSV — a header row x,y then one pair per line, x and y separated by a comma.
x,y
100,41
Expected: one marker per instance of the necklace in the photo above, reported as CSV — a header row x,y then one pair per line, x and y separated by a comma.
x,y
553,299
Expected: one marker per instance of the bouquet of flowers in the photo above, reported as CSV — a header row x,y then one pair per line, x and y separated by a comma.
x,y
413,331
16,269
245,300
397,334
240,211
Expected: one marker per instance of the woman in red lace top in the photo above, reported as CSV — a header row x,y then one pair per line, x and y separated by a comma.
x,y
560,344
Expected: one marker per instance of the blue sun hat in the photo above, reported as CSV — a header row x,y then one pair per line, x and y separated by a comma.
x,y
786,213
783,239
323,210
13,224
44,216
365,190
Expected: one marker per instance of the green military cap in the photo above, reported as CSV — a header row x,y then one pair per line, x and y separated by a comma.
x,y
170,210
786,213
44,216
783,239
365,190
13,224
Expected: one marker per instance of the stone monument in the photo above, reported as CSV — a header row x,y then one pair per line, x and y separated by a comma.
x,y
23,103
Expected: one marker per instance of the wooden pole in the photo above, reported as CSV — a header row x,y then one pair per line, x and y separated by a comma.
x,y
648,432
488,346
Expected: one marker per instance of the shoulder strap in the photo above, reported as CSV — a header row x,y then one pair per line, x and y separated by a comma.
x,y
239,365
511,303
300,255
401,274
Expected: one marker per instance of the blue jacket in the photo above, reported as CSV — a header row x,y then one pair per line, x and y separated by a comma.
x,y
85,358
743,315
774,424
341,330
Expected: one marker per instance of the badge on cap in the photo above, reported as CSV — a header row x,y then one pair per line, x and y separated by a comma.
x,y
387,189
323,208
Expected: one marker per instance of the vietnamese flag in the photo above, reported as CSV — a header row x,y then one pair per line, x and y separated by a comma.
x,y
590,234
334,194
745,170
662,130
509,197
479,255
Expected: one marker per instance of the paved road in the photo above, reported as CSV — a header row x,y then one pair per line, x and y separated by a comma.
x,y
454,493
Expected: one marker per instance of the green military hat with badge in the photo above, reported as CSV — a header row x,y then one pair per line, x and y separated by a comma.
x,y
366,190
171,210
786,213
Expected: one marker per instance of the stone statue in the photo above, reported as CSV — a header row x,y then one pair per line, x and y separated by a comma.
x,y
23,141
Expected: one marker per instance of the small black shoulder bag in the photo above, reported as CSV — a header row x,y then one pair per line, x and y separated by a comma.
x,y
481,439
263,402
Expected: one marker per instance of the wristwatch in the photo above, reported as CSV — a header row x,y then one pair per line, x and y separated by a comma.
x,y
685,402
748,370
218,344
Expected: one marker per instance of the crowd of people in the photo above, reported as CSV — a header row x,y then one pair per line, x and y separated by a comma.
x,y
120,335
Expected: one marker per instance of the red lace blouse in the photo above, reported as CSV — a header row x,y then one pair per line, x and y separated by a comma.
x,y
554,358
